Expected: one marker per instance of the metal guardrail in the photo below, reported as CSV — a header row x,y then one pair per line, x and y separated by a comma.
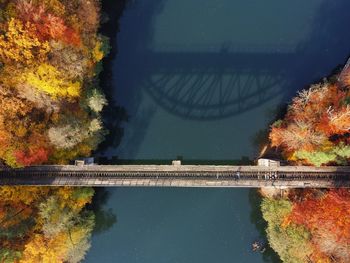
x,y
179,176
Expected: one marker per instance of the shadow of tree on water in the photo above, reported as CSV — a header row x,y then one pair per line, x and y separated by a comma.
x,y
104,219
113,115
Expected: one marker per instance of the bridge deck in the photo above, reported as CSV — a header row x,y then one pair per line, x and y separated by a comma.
x,y
178,176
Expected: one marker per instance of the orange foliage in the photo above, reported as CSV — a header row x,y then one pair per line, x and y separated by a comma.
x,y
45,66
339,121
296,136
330,213
48,26
315,118
328,220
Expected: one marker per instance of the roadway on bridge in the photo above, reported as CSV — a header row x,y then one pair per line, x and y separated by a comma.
x,y
178,176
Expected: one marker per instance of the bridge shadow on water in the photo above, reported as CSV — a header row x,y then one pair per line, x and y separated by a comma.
x,y
211,86
201,85
207,84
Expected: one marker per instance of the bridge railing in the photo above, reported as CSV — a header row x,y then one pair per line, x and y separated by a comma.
x,y
178,175
185,171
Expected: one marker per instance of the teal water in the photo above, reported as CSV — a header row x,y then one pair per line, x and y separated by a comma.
x,y
177,225
199,79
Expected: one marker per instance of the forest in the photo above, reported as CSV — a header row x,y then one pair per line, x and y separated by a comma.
x,y
309,225
50,113
313,225
50,100
316,127
45,224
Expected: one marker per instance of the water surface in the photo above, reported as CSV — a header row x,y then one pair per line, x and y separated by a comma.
x,y
199,79
177,225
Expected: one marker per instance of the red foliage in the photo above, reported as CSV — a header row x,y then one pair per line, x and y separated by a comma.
x,y
37,156
329,214
48,26
71,37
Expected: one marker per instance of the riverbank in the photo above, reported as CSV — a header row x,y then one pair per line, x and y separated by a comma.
x,y
310,223
114,115
173,59
50,105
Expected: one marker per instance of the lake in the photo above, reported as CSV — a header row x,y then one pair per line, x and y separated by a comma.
x,y
199,80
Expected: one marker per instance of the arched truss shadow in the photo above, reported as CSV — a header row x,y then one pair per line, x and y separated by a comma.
x,y
199,82
213,95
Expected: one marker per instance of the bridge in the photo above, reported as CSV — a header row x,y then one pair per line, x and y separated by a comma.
x,y
178,175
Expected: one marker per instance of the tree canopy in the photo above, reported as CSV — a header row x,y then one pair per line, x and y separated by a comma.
x,y
50,101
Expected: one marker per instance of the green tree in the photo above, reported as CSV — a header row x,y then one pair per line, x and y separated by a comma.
x,y
291,242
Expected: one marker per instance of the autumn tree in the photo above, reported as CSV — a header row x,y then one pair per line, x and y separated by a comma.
x,y
327,218
50,80
70,60
19,43
45,224
96,101
90,23
291,242
48,26
315,128
50,106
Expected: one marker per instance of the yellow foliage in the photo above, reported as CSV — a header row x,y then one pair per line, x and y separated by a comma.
x,y
33,75
42,250
19,44
68,199
9,157
50,80
52,250
97,53
291,156
26,195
